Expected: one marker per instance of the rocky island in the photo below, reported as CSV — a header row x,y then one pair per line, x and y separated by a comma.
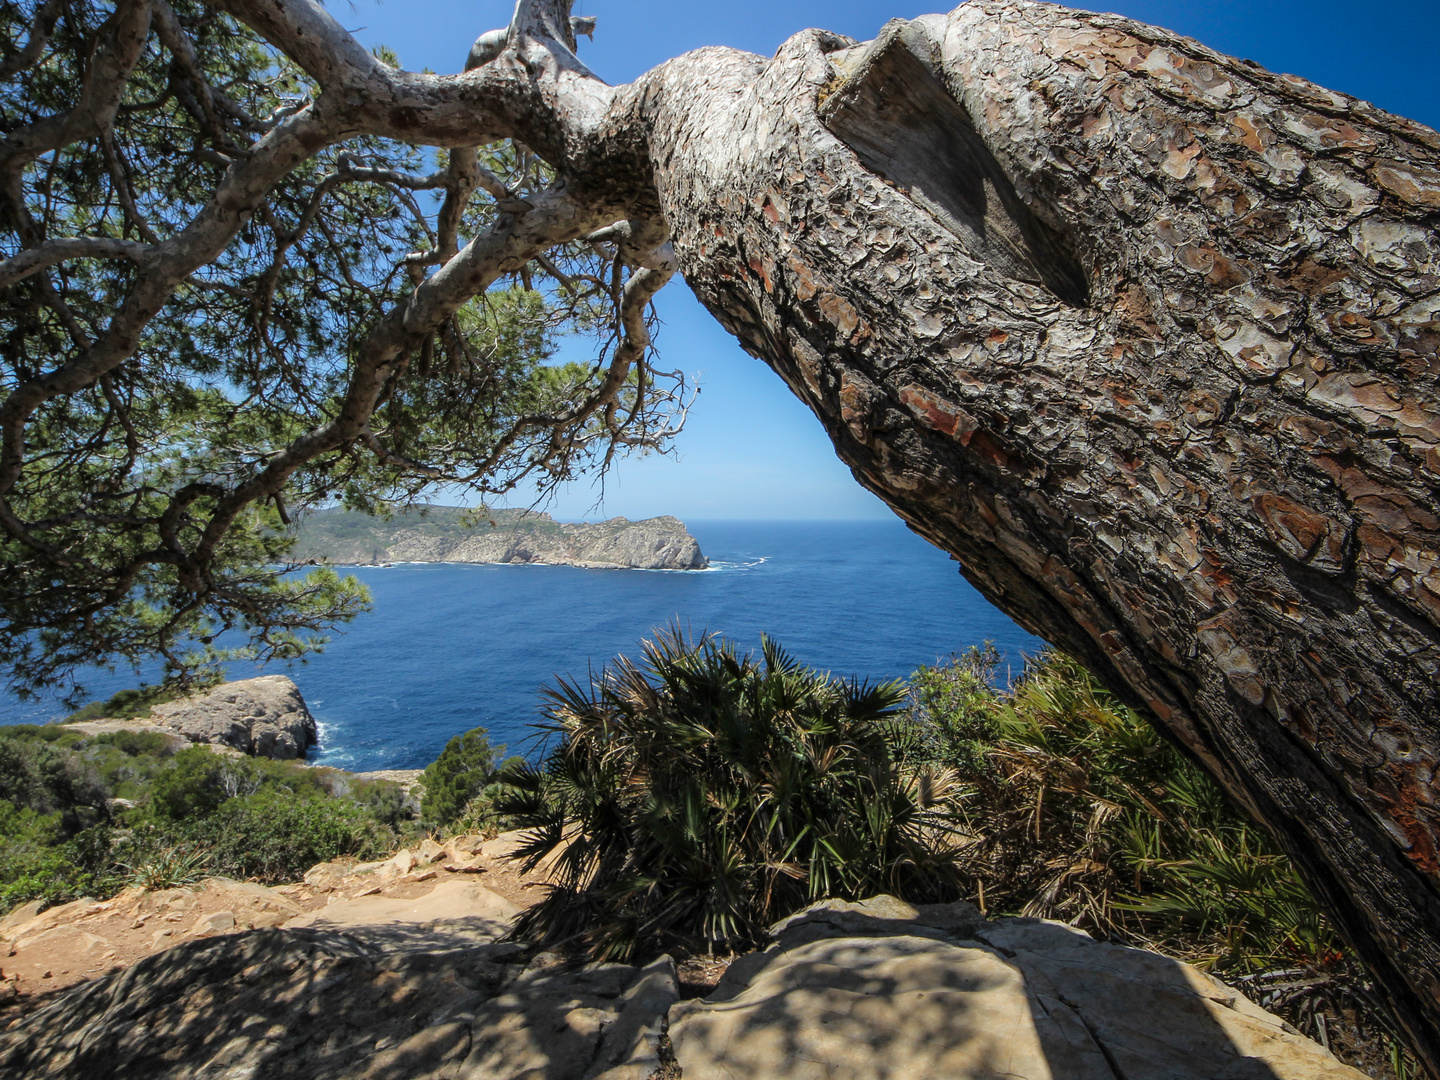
x,y
456,534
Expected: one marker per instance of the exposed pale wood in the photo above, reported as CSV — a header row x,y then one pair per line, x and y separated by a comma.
x,y
898,118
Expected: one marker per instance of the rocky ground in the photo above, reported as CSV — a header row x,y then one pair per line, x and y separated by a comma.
x,y
47,952
397,970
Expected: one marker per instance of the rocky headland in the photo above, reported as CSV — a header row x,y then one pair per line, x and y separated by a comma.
x,y
454,534
265,717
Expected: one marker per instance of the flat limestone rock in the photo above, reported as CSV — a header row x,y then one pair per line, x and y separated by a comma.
x,y
1190,1026
323,1004
884,991
866,1008
456,912
265,716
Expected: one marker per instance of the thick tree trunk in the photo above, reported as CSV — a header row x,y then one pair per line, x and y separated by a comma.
x,y
1145,337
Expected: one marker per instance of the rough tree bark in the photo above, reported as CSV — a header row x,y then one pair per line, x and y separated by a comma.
x,y
1143,335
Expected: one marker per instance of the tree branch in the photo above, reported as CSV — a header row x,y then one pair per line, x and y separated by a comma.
x,y
513,242
41,27
100,95
32,260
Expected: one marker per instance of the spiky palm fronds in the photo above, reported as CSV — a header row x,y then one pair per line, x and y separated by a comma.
x,y
1078,810
171,867
705,794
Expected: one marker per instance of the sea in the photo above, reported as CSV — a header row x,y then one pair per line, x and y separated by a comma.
x,y
450,647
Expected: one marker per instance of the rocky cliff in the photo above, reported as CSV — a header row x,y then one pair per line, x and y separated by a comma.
x,y
453,534
265,716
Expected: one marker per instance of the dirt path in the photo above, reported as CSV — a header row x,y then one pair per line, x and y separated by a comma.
x,y
429,897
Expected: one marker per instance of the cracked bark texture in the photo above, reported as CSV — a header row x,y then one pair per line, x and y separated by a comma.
x,y
1145,337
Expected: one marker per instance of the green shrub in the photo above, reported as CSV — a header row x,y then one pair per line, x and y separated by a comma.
x,y
170,866
957,700
197,782
707,794
43,732
1079,810
275,836
386,801
45,777
462,771
155,744
37,862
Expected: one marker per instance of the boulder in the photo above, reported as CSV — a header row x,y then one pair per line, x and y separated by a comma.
x,y
884,990
266,717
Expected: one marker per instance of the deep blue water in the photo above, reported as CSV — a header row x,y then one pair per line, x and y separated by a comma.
x,y
450,647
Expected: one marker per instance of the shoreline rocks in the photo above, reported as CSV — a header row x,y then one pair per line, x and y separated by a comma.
x,y
264,717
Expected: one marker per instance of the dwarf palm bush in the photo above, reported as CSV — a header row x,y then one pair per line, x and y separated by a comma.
x,y
170,867
1077,809
704,794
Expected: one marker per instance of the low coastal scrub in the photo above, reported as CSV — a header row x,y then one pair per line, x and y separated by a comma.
x,y
1075,808
137,702
705,794
692,799
461,786
87,816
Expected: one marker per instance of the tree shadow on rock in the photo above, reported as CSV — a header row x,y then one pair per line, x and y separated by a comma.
x,y
321,1004
889,997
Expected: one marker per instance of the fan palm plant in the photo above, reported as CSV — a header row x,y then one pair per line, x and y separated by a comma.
x,y
1078,810
703,794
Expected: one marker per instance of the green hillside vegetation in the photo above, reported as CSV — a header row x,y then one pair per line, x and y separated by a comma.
x,y
697,796
187,812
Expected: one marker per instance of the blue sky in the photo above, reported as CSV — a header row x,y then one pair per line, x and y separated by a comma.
x,y
750,450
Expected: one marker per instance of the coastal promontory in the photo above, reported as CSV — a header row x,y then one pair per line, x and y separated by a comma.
x,y
455,534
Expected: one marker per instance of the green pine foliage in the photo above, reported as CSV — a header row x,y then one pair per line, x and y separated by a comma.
x,y
462,772
136,532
